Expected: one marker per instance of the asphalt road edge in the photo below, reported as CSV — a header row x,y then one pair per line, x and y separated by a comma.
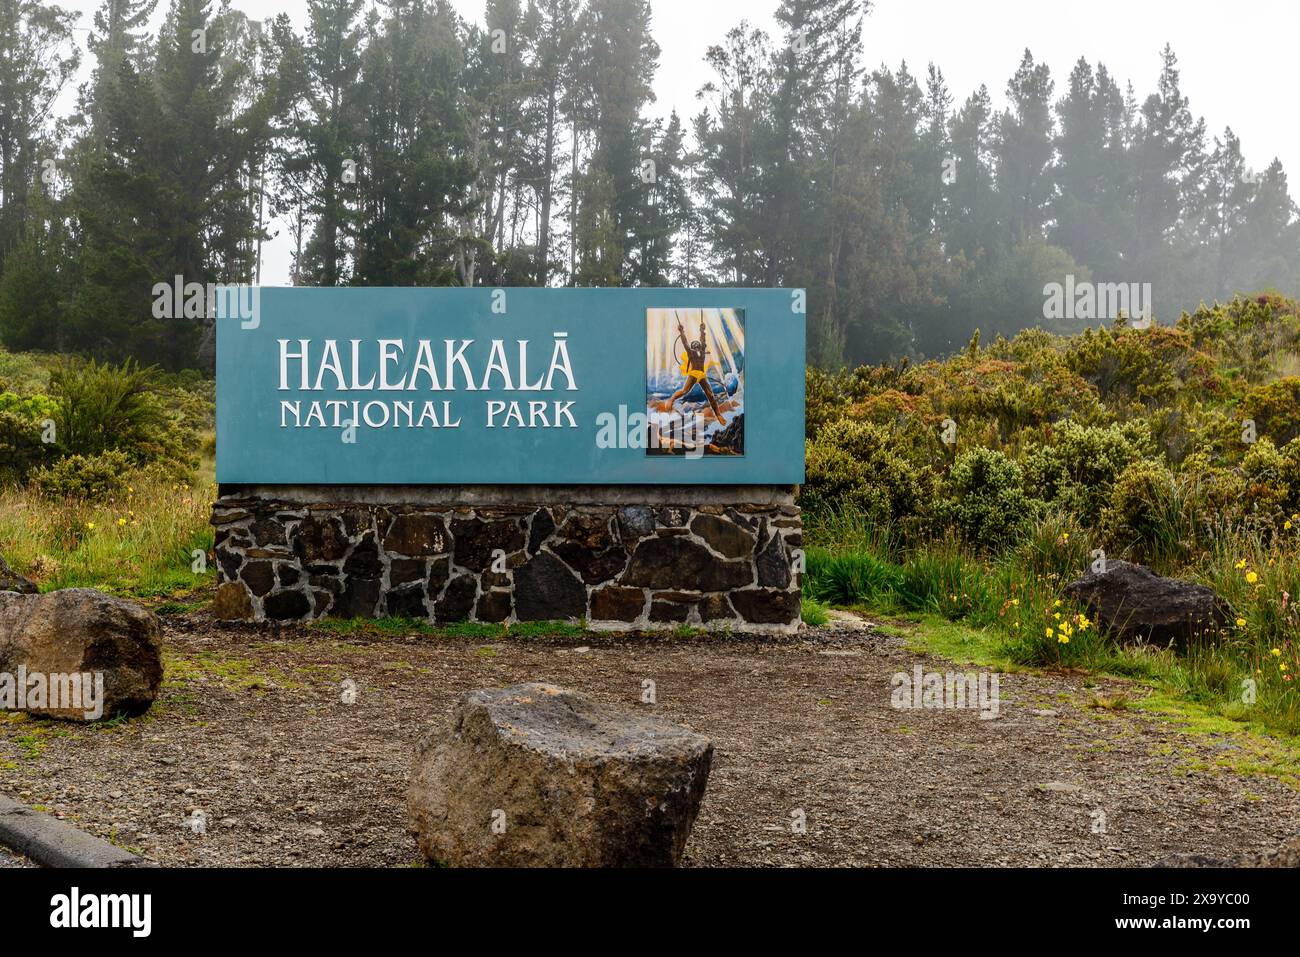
x,y
49,842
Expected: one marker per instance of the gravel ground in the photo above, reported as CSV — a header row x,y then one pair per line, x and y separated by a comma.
x,y
9,859
253,757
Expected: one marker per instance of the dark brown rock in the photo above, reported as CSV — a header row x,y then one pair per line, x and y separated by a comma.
x,y
402,571
673,516
493,606
355,520
760,606
677,562
320,539
1137,605
259,576
364,560
616,603
567,783
228,559
287,606
725,537
635,522
547,590
477,541
773,567
232,603
10,580
458,600
716,608
359,598
588,529
269,533
417,534
221,516
439,573
408,602
80,631
543,526
668,611
594,566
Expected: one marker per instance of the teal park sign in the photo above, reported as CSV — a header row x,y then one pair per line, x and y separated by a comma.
x,y
368,386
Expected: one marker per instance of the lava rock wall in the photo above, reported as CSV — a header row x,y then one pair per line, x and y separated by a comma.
x,y
619,566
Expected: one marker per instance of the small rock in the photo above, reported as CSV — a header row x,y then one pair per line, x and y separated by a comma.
x,y
10,580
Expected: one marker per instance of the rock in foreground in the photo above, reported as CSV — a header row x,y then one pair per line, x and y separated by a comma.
x,y
80,631
1138,605
536,776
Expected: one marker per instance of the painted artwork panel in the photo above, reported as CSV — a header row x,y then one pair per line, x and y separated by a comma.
x,y
695,382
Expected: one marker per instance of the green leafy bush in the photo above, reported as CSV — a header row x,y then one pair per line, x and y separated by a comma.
x,y
103,406
984,499
93,478
1079,469
1150,516
23,431
1275,407
860,465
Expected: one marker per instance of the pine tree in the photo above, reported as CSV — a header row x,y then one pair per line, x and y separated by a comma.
x,y
319,135
611,190
416,167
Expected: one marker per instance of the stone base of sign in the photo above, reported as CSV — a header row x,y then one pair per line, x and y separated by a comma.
x,y
619,557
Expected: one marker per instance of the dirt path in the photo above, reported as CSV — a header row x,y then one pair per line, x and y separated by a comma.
x,y
251,730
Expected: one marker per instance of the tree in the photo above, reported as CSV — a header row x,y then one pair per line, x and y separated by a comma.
x,y
416,168
169,194
37,58
611,194
319,136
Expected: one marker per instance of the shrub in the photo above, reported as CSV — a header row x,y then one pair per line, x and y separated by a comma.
x,y
859,465
21,436
1147,515
1275,407
103,406
985,500
92,478
1080,468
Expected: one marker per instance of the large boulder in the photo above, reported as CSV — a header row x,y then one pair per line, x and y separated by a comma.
x,y
10,580
1138,605
79,631
536,776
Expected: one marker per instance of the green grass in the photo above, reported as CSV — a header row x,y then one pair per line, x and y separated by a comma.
x,y
392,627
1256,744
814,613
1012,610
141,545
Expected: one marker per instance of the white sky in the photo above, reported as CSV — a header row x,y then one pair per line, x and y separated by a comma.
x,y
1231,56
